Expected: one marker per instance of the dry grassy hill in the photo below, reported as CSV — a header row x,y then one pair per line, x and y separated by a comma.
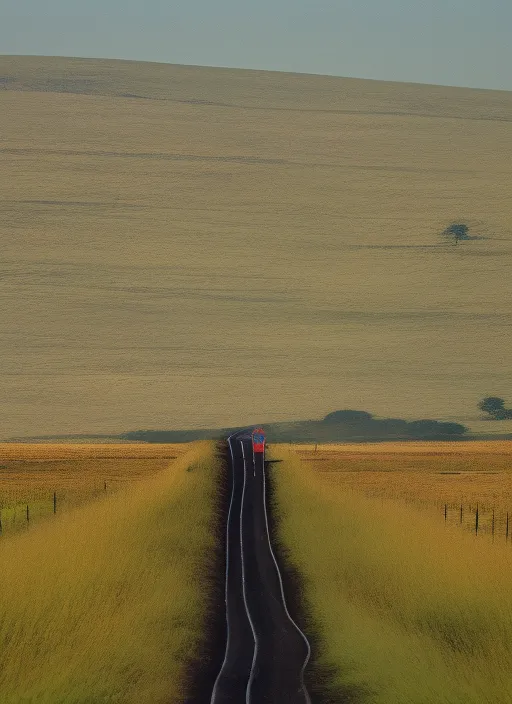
x,y
187,246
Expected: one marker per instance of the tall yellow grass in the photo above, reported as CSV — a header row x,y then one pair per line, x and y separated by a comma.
x,y
107,603
30,474
408,610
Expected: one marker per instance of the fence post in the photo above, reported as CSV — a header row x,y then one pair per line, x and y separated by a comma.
x,y
493,523
55,502
445,511
0,521
28,515
105,486
506,534
461,513
476,520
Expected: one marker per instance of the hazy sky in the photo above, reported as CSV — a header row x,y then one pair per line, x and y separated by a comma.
x,y
455,42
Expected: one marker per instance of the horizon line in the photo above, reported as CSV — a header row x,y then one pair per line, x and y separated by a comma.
x,y
258,70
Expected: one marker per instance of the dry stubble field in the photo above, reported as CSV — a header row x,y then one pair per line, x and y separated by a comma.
x,y
430,475
178,239
30,475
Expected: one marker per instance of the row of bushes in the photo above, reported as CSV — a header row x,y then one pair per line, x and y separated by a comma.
x,y
339,426
336,426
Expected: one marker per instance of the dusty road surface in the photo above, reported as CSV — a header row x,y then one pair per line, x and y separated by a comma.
x,y
266,652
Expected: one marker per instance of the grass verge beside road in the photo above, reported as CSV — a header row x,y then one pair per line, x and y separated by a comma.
x,y
108,603
404,609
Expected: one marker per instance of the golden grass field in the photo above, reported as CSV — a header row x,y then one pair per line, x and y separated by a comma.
x,y
176,240
407,610
30,474
427,474
107,603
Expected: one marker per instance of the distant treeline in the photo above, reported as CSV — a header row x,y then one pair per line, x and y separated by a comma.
x,y
344,425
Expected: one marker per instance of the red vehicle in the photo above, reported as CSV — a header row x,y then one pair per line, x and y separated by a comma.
x,y
258,440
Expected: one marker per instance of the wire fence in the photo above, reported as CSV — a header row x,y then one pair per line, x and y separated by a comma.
x,y
20,512
480,519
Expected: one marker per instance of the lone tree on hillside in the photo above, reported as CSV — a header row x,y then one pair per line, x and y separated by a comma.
x,y
456,232
495,408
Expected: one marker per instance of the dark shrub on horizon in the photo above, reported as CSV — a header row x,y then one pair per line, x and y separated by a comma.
x,y
494,406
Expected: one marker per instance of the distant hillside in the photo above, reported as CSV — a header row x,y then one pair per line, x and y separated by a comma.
x,y
197,247
205,86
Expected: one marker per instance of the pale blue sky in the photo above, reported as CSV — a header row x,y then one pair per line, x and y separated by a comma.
x,y
453,42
